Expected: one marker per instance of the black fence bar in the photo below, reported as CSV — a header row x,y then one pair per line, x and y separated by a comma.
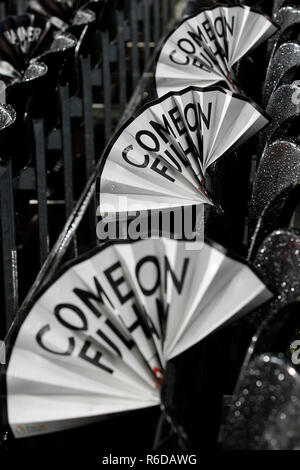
x,y
156,17
89,145
165,13
89,138
67,149
106,77
9,251
21,6
41,178
134,43
121,59
172,8
146,9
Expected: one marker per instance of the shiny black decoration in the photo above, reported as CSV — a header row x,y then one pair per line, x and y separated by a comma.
x,y
7,116
278,333
284,110
276,191
278,260
288,19
283,67
279,212
279,169
34,58
265,414
28,39
265,404
22,38
73,17
277,4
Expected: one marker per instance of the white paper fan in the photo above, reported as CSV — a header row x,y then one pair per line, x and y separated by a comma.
x,y
159,157
97,339
203,48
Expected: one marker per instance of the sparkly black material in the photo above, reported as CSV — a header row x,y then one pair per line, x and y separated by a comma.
x,y
261,410
34,71
83,17
279,168
265,410
288,19
283,65
283,109
278,259
278,213
265,414
277,332
277,4
7,116
61,43
263,406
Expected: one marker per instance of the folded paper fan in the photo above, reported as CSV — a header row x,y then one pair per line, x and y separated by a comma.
x,y
159,157
203,49
22,38
97,339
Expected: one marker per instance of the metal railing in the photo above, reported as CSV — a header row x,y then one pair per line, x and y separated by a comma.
x,y
63,220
